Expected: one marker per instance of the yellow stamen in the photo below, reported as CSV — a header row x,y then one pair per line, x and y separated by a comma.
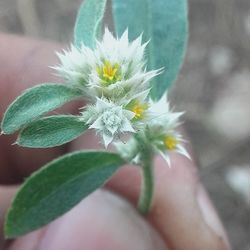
x,y
139,109
170,142
109,73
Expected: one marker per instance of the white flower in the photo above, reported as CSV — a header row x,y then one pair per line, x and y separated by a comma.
x,y
171,142
115,69
109,119
160,129
157,127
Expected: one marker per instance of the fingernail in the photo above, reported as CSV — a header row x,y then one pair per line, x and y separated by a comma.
x,y
210,215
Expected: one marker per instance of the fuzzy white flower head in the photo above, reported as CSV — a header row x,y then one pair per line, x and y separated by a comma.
x,y
157,128
161,130
109,119
115,69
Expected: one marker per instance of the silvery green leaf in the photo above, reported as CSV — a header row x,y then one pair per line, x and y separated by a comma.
x,y
51,131
57,187
34,102
88,22
165,24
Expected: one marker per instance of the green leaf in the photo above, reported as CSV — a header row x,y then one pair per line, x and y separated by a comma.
x,y
34,102
88,22
57,187
165,24
51,131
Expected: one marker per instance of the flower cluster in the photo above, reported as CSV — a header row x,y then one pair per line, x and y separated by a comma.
x,y
115,79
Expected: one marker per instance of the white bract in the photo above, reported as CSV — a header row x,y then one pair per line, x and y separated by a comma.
x,y
108,119
161,130
115,69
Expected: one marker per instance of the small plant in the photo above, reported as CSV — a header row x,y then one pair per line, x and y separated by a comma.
x,y
124,79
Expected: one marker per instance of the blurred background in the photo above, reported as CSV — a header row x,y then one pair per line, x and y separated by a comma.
x,y
213,89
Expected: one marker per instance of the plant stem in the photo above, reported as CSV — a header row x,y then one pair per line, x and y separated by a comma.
x,y
147,187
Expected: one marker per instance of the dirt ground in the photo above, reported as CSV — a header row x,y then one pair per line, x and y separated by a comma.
x,y
213,89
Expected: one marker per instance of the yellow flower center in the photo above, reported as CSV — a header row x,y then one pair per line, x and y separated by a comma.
x,y
139,109
109,73
170,142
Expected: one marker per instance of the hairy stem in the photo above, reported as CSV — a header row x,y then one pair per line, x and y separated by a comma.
x,y
147,187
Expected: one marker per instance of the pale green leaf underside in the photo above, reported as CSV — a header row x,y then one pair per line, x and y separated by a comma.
x,y
57,187
34,102
165,24
51,131
88,22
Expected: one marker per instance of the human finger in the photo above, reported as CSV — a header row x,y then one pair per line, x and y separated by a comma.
x,y
101,221
6,195
181,210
